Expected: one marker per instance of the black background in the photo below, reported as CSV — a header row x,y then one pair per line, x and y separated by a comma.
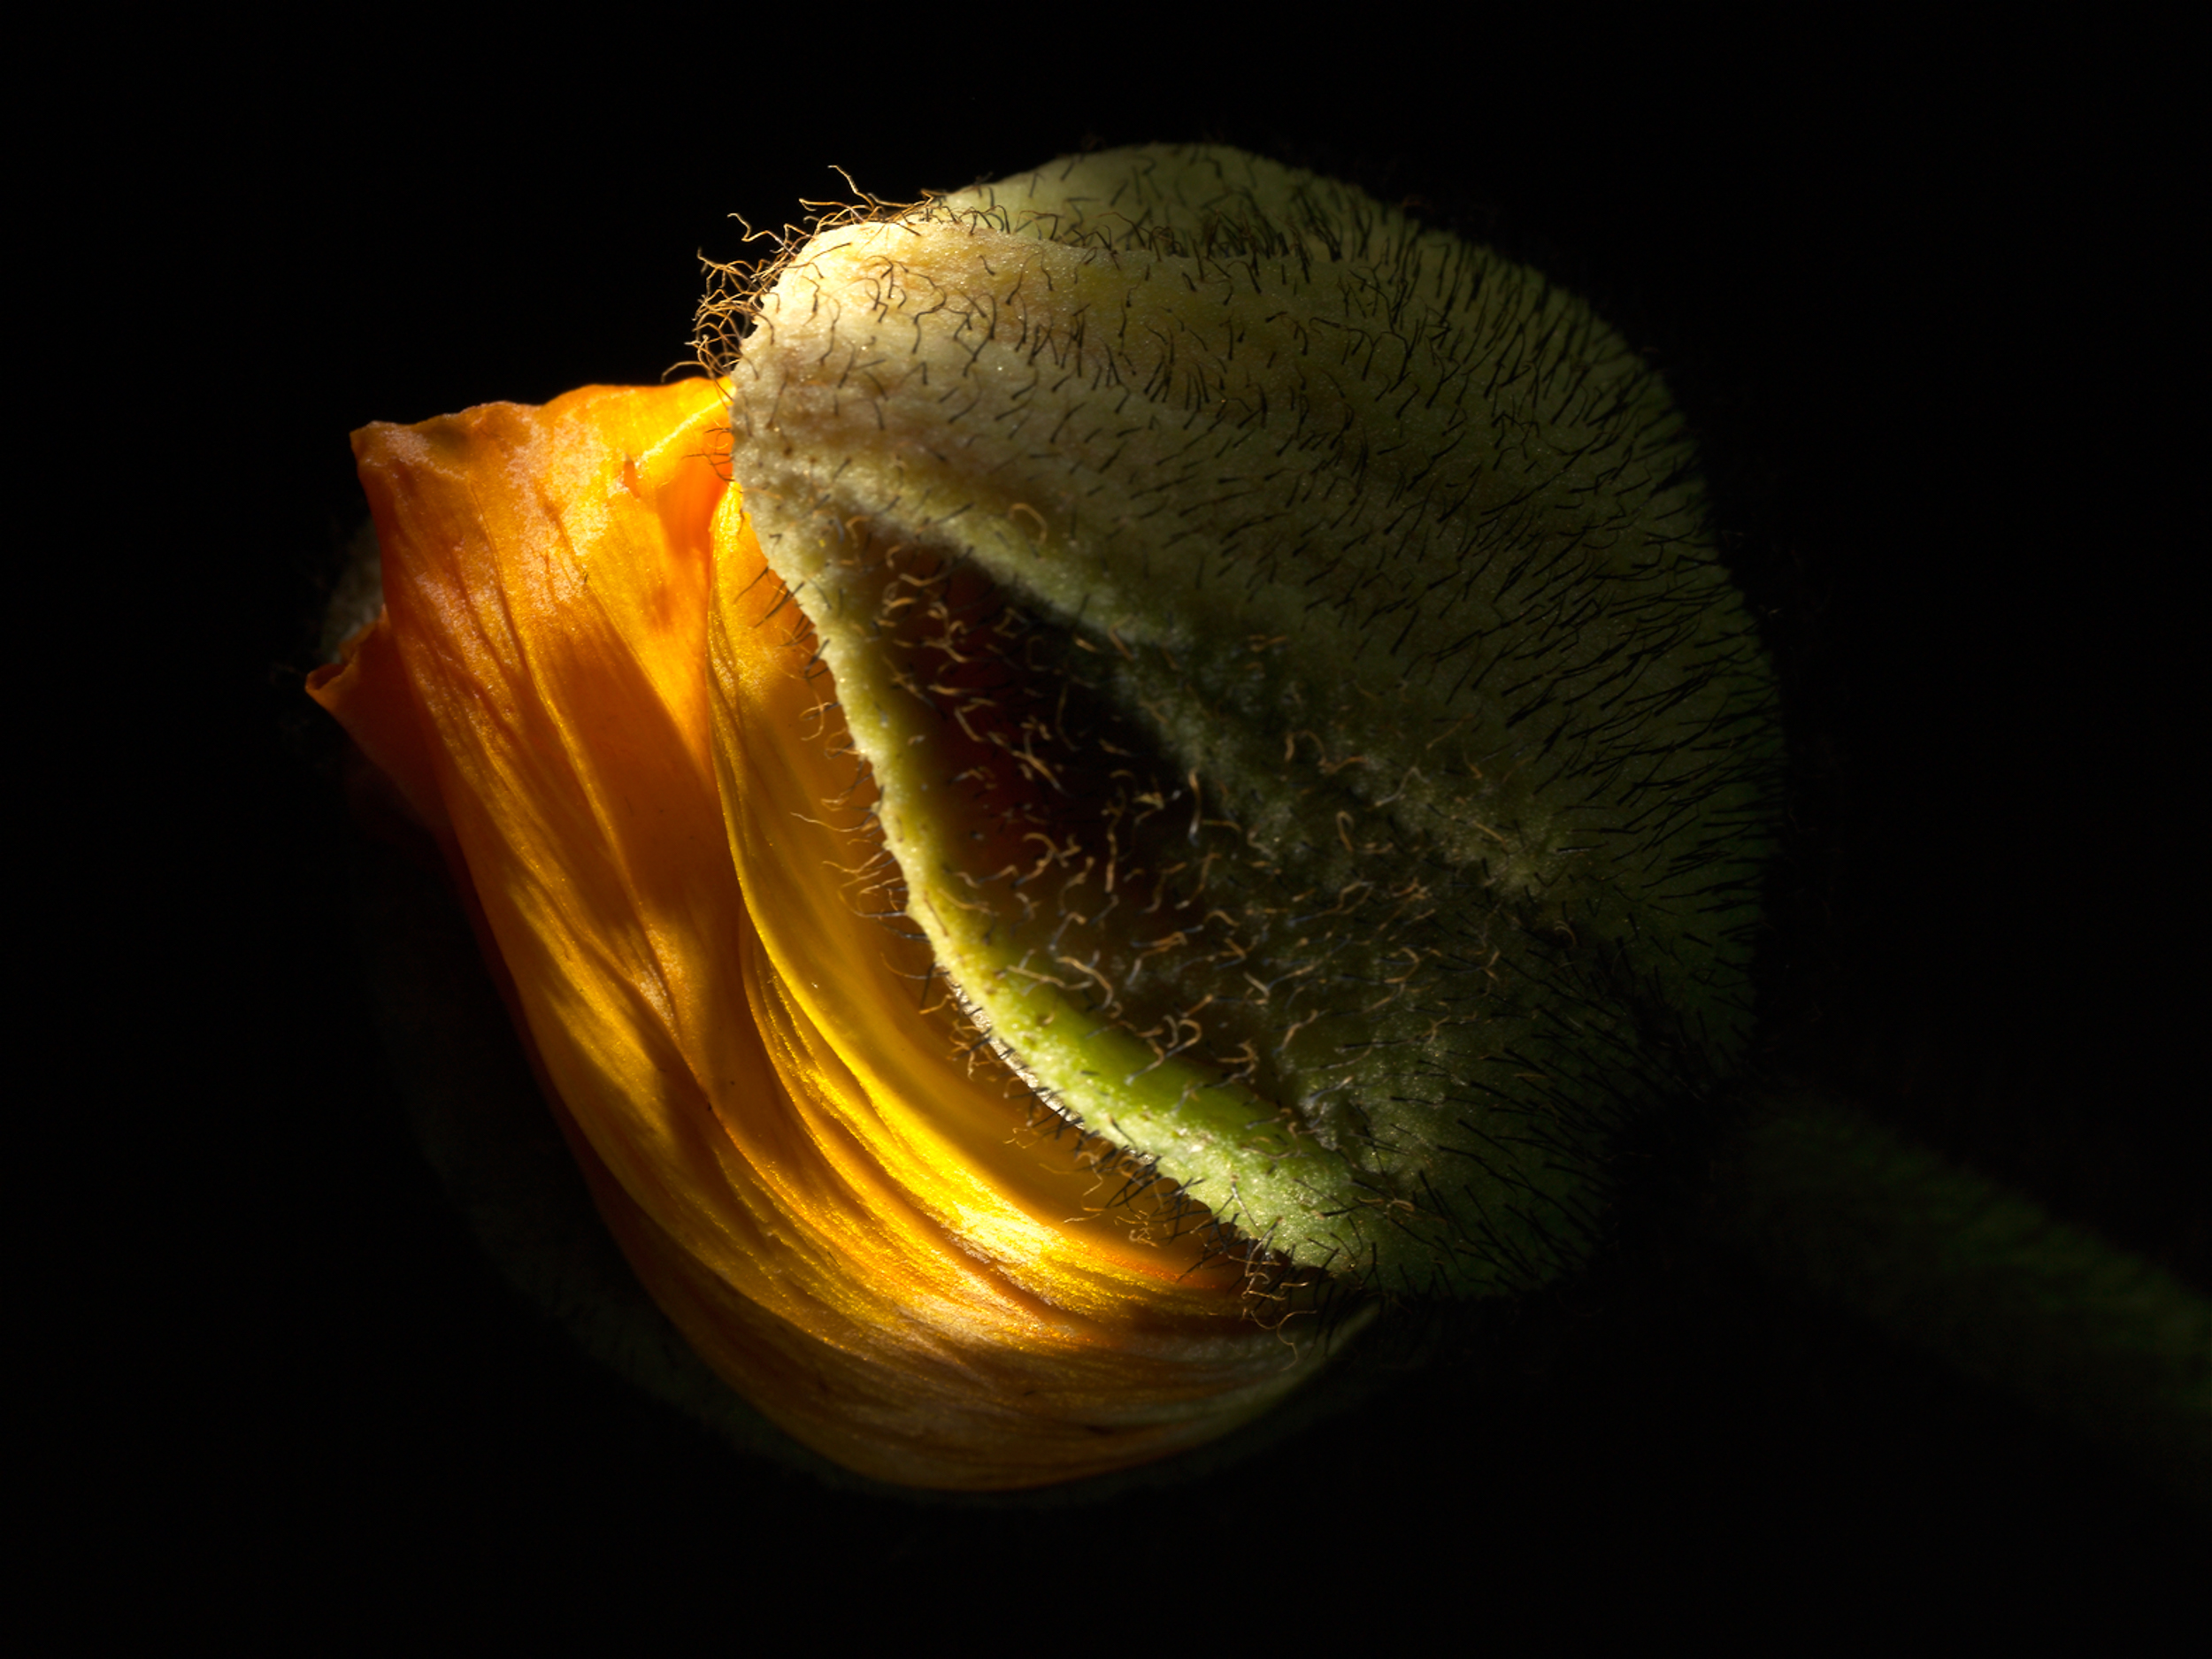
x,y
1922,300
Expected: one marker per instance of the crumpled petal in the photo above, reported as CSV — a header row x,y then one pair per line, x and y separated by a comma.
x,y
862,1230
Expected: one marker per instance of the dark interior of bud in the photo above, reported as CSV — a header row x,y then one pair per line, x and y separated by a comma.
x,y
1286,930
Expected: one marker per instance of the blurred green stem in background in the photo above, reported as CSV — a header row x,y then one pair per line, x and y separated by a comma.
x,y
1979,1277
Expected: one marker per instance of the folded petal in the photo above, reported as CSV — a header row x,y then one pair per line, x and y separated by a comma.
x,y
877,1239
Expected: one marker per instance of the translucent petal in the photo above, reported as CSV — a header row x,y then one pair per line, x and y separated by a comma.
x,y
875,1239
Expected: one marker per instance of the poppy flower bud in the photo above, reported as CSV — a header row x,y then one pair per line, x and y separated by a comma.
x,y
1314,731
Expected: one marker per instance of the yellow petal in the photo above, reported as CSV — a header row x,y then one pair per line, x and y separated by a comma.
x,y
877,1240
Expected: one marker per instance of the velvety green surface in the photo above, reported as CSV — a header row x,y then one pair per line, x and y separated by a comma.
x,y
1312,724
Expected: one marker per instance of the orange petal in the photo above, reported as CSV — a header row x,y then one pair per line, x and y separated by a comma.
x,y
865,1237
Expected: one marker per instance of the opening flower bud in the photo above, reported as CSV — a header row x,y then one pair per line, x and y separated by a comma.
x,y
1313,728
1263,776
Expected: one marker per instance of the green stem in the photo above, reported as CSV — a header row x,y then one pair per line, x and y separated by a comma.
x,y
1981,1279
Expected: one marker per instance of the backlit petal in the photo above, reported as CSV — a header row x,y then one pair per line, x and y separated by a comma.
x,y
871,1238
